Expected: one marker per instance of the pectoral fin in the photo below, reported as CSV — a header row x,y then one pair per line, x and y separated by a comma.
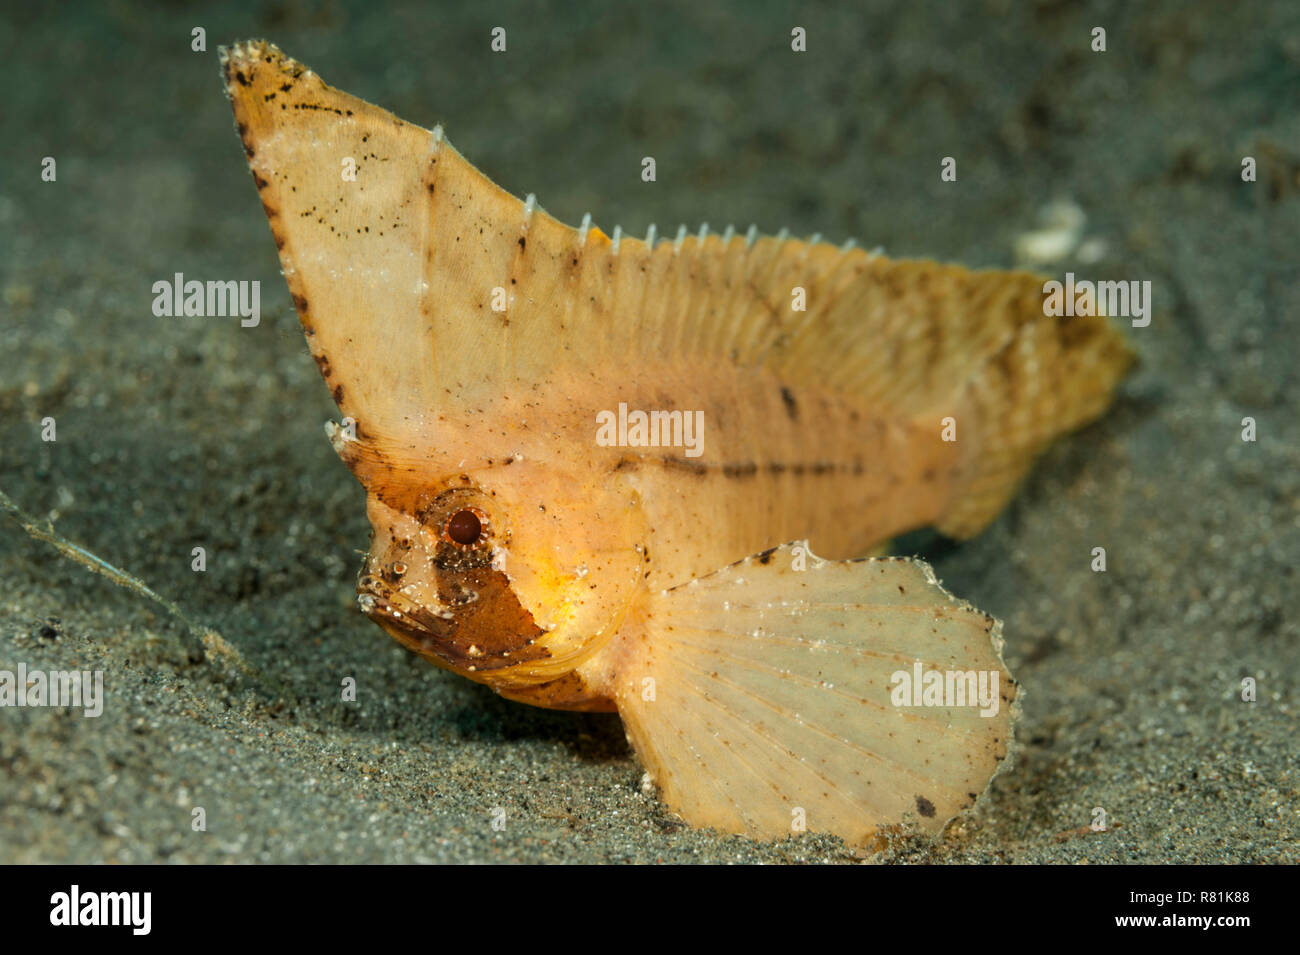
x,y
764,696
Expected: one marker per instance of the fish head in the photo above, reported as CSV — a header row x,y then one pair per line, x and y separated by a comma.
x,y
509,576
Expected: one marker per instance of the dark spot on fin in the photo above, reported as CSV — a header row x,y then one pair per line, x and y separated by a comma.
x,y
791,406
684,464
925,807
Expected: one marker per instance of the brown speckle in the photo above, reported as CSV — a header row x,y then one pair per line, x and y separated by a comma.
x,y
791,406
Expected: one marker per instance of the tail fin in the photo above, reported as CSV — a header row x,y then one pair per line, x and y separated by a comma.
x,y
1049,375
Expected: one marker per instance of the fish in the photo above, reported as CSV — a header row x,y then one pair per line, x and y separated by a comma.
x,y
657,477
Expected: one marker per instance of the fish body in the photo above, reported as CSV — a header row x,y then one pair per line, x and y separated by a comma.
x,y
597,468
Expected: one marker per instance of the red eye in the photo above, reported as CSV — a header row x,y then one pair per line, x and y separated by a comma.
x,y
464,527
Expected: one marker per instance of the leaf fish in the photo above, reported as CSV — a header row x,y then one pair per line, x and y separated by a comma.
x,y
516,396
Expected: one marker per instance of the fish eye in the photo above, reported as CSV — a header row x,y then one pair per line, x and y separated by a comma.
x,y
464,527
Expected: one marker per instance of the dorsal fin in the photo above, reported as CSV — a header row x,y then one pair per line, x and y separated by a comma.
x,y
422,285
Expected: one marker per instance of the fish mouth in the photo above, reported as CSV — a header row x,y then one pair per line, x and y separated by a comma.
x,y
414,626
444,637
